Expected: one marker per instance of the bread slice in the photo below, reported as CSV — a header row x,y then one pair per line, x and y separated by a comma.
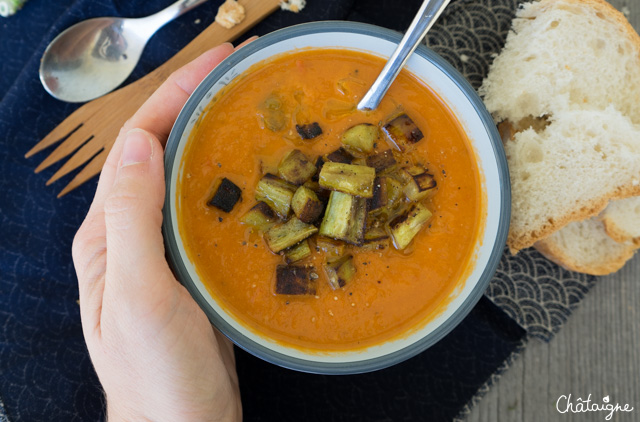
x,y
563,54
570,171
568,83
584,246
621,220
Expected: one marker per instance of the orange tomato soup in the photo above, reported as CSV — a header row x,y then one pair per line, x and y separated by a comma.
x,y
393,291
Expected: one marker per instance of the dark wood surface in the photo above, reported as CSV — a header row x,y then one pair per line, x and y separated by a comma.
x,y
597,352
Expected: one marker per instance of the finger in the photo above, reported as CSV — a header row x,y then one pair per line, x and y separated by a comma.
x,y
157,115
89,249
245,42
135,257
160,111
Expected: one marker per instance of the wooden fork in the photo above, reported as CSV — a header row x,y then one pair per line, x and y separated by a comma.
x,y
90,131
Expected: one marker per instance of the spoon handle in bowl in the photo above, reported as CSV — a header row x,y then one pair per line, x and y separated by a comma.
x,y
423,21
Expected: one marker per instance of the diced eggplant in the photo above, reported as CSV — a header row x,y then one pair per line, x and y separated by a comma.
x,y
296,280
340,155
296,167
282,236
387,192
402,132
375,233
226,196
419,183
319,163
376,236
297,252
309,131
348,178
306,205
277,193
361,138
337,216
360,161
408,224
340,271
260,216
331,246
382,160
272,113
355,232
345,218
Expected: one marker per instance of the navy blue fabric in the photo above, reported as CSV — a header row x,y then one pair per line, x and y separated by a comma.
x,y
45,371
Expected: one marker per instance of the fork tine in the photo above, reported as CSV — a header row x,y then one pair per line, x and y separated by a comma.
x,y
69,125
59,133
72,143
81,156
92,169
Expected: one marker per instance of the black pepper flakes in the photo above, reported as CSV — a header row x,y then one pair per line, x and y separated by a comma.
x,y
220,219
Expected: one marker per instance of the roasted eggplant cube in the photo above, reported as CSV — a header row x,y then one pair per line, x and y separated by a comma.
x,y
260,216
355,232
375,238
402,132
319,163
306,205
282,236
408,224
337,217
226,196
276,193
344,218
297,252
419,183
361,138
381,161
348,178
330,246
296,168
295,280
387,191
272,114
309,131
340,271
340,155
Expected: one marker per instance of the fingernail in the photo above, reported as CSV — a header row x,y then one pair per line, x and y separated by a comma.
x,y
137,148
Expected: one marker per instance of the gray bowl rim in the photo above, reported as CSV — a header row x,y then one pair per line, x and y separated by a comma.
x,y
310,366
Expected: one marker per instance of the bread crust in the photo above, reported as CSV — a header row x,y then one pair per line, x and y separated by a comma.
x,y
527,238
555,253
516,242
607,10
618,234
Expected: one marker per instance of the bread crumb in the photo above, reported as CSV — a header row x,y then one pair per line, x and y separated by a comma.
x,y
197,21
625,11
230,14
464,58
294,6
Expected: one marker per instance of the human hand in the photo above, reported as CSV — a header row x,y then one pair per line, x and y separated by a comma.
x,y
154,350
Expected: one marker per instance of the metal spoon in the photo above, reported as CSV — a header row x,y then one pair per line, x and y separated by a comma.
x,y
424,20
93,57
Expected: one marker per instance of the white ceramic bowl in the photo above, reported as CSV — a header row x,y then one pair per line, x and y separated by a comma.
x,y
476,121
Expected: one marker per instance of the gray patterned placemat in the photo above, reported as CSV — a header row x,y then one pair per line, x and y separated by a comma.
x,y
537,293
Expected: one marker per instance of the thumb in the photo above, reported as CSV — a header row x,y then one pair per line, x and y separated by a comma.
x,y
133,214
